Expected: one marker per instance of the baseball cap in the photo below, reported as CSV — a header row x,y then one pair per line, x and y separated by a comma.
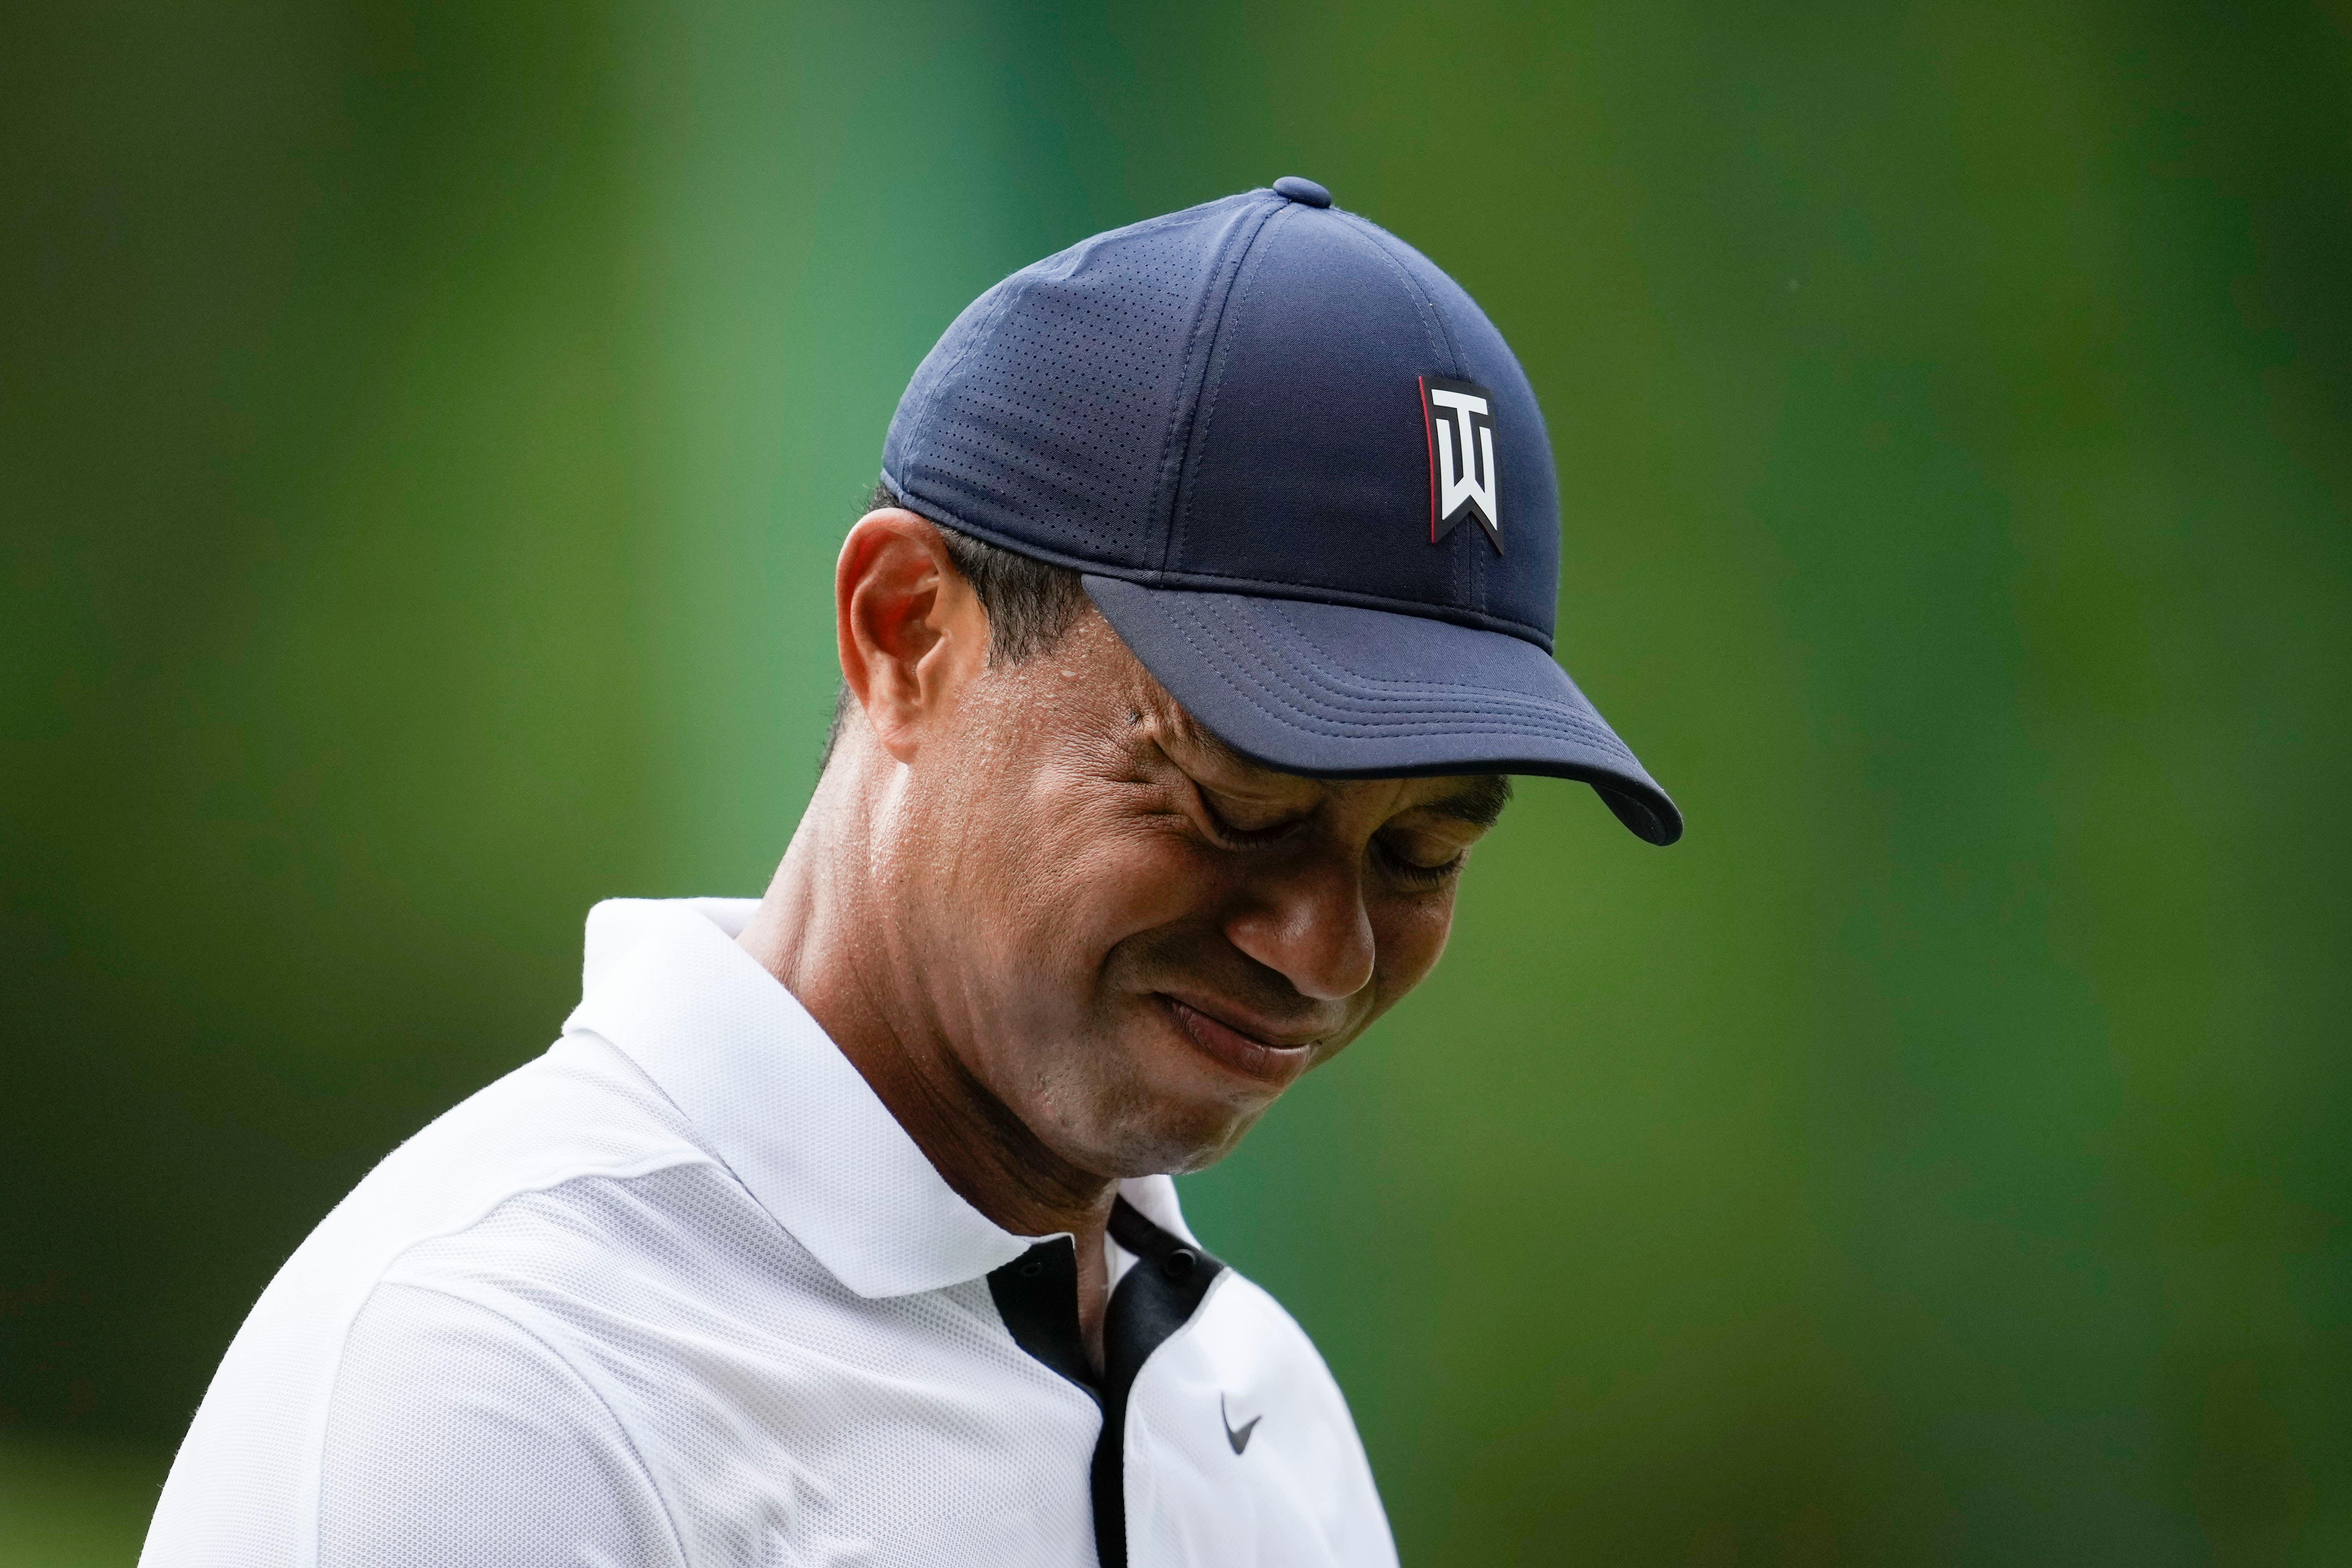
x,y
1301,474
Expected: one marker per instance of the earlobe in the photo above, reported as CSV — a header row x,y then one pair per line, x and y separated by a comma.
x,y
900,610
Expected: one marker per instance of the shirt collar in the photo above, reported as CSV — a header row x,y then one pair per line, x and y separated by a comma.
x,y
769,1092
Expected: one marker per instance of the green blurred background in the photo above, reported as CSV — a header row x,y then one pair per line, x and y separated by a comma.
x,y
423,435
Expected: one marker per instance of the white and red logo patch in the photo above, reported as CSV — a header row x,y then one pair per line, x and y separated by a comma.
x,y
1459,417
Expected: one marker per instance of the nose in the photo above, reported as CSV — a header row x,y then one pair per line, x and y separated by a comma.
x,y
1309,925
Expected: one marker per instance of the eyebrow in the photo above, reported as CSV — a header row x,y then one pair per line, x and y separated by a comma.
x,y
1480,805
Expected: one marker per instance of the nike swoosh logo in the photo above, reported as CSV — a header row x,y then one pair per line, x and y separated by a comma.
x,y
1240,1439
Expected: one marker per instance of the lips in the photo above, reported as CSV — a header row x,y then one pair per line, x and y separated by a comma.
x,y
1268,1063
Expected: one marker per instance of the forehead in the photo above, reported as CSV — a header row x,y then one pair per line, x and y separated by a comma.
x,y
1123,700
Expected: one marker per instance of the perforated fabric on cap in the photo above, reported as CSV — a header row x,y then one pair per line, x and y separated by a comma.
x,y
1049,415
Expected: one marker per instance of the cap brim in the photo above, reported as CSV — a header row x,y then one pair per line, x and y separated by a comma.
x,y
1340,691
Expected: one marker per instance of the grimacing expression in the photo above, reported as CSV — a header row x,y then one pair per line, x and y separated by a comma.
x,y
1140,939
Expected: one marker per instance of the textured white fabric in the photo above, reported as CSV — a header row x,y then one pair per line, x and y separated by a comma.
x,y
681,1291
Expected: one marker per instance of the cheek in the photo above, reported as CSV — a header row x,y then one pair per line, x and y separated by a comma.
x,y
1107,880
1411,936
1054,879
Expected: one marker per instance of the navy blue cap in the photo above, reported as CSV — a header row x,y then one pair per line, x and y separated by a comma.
x,y
1303,477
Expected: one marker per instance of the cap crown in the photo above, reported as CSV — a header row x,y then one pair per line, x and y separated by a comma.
x,y
1232,398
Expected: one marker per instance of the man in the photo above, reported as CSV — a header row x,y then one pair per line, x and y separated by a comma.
x,y
1206,602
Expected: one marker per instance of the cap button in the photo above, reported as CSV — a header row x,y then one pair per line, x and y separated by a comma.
x,y
1306,193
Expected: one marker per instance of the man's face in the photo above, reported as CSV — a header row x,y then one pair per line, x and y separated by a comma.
x,y
1134,939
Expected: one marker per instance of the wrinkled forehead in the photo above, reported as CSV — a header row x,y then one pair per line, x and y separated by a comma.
x,y
1153,716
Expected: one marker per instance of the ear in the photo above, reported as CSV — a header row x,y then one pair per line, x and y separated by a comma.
x,y
912,632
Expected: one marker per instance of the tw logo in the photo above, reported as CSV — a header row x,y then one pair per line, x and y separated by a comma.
x,y
1460,419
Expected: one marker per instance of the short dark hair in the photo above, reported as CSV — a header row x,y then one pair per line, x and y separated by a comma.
x,y
1031,604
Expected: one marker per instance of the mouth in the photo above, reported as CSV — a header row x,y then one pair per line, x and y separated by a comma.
x,y
1265,1061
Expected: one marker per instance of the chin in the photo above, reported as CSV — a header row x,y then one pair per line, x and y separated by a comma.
x,y
1143,1102
1171,1121
1161,1149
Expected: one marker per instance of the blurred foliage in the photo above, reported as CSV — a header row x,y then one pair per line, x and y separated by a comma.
x,y
69,1502
426,430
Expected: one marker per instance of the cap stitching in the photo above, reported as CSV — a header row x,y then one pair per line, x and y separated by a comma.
x,y
1367,689
1389,681
1196,424
1296,687
1467,578
1222,583
1469,566
1336,725
1031,423
1434,319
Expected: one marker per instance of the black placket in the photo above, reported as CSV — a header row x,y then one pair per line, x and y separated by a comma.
x,y
1037,1294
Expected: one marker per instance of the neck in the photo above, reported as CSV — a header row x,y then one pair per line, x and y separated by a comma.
x,y
831,930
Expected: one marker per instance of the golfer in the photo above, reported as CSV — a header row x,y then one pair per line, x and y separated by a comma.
x,y
1203,609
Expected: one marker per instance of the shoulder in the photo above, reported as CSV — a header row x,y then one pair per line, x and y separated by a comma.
x,y
521,1157
504,1171
458,1434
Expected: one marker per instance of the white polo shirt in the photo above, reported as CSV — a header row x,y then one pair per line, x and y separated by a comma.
x,y
682,1291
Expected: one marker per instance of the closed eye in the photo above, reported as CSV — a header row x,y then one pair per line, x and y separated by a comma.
x,y
1236,838
1412,873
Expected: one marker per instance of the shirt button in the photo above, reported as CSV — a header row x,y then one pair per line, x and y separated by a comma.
x,y
1180,1264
